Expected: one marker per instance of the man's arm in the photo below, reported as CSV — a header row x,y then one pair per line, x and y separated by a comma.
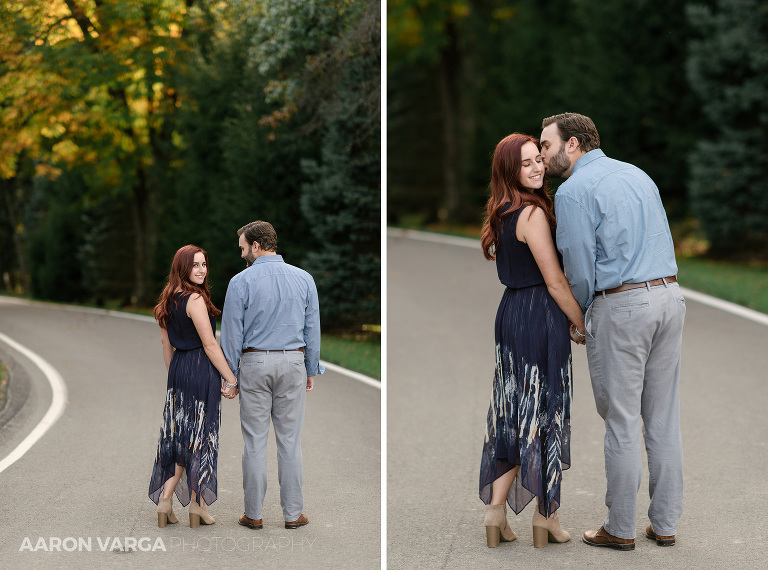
x,y
312,332
232,325
576,242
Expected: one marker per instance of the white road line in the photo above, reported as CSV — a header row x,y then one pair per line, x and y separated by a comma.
x,y
58,404
146,319
356,375
702,298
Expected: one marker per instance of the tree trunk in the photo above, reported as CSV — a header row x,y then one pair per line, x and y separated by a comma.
x,y
140,222
11,198
450,73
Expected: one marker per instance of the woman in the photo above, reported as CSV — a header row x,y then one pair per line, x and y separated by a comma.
x,y
189,438
527,441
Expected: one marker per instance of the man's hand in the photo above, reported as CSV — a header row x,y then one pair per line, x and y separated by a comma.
x,y
578,338
310,383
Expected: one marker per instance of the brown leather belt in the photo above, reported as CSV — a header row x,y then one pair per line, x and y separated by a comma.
x,y
628,286
300,349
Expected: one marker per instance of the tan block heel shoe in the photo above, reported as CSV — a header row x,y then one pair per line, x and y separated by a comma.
x,y
199,514
546,530
165,512
496,528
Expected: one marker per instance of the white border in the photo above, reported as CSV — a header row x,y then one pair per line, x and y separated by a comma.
x,y
702,298
59,389
383,268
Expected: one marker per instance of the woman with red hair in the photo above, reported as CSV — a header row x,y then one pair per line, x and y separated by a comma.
x,y
189,438
527,438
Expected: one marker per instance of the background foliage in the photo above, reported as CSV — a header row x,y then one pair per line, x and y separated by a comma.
x,y
678,88
129,129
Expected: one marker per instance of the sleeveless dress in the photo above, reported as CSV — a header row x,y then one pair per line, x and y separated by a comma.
x,y
190,432
529,419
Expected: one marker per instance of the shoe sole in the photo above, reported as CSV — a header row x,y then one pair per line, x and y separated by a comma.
x,y
661,541
249,525
614,545
295,525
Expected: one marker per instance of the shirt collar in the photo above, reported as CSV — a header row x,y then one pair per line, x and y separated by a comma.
x,y
267,259
587,158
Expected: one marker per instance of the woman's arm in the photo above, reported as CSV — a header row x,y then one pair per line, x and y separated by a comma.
x,y
198,312
536,233
167,348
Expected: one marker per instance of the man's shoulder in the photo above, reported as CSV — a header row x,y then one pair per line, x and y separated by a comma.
x,y
238,277
298,271
275,267
597,173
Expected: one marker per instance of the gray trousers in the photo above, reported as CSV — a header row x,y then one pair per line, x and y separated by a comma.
x,y
272,385
633,348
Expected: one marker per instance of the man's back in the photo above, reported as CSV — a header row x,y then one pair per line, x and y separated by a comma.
x,y
612,228
271,306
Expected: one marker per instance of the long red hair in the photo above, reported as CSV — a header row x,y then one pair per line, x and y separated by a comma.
x,y
506,187
178,280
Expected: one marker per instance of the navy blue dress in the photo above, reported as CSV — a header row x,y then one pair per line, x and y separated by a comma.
x,y
529,419
190,432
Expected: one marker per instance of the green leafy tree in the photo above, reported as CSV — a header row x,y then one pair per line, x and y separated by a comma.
x,y
728,68
514,63
428,70
87,87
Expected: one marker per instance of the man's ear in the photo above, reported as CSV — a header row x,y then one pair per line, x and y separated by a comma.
x,y
572,145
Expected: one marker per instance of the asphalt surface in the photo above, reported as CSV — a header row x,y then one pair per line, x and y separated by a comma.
x,y
86,479
442,300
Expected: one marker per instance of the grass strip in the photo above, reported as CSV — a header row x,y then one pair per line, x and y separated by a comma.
x,y
741,284
363,356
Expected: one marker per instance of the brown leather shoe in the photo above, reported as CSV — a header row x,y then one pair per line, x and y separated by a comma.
x,y
603,538
301,521
660,540
250,523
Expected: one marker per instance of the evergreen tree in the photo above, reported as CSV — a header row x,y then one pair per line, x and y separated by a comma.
x,y
342,199
728,68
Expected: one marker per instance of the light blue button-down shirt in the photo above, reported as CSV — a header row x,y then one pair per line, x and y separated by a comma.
x,y
271,306
611,227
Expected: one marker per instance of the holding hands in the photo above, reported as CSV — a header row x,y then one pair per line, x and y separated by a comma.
x,y
229,390
578,334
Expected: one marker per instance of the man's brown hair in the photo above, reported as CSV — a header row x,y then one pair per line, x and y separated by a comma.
x,y
261,232
575,125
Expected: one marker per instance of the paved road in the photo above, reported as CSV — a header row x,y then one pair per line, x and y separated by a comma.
x,y
88,475
442,300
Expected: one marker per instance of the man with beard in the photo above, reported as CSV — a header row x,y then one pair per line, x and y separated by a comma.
x,y
620,262
270,334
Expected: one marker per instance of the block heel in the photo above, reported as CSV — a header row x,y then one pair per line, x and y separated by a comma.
x,y
540,537
492,536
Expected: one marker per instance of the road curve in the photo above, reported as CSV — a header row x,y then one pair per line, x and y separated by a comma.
x,y
442,300
84,483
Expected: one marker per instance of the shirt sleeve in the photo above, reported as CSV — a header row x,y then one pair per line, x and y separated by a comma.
x,y
312,332
577,244
232,324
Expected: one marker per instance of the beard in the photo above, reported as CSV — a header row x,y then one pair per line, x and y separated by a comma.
x,y
558,164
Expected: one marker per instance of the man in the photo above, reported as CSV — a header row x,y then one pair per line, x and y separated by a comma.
x,y
620,261
270,334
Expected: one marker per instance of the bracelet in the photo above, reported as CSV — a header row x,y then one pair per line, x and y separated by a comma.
x,y
228,385
579,334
